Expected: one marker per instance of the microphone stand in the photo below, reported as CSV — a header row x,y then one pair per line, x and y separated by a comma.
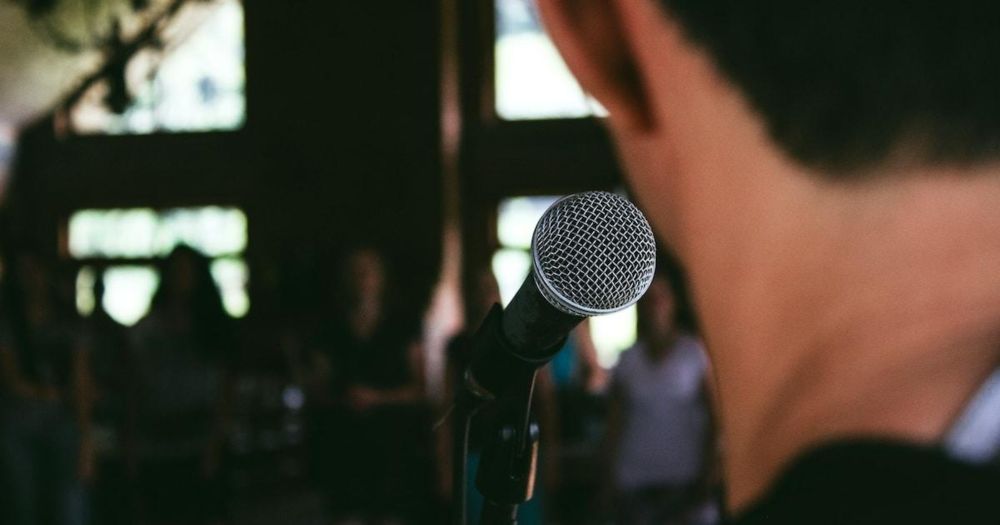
x,y
506,476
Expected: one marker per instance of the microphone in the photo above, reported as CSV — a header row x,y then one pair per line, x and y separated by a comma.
x,y
593,253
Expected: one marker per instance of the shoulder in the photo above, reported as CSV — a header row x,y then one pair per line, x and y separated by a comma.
x,y
691,343
147,329
878,482
630,354
145,325
692,350
628,359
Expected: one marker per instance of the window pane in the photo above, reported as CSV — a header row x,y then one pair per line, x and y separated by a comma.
x,y
517,218
510,267
85,300
112,233
195,84
214,231
612,334
532,82
128,291
143,232
230,276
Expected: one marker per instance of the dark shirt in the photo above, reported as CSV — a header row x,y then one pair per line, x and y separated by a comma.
x,y
879,483
375,460
177,377
380,361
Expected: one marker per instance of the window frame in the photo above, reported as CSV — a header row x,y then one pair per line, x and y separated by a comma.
x,y
100,264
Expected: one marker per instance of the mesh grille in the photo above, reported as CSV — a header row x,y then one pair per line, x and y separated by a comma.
x,y
594,253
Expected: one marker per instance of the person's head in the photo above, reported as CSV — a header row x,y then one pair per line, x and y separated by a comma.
x,y
185,274
657,312
828,173
363,276
187,288
712,103
186,285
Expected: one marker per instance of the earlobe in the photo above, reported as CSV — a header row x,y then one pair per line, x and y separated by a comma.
x,y
591,37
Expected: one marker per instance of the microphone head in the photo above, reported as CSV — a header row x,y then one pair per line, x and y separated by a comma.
x,y
593,254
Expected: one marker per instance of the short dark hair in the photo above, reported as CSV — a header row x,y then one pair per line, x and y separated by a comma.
x,y
847,85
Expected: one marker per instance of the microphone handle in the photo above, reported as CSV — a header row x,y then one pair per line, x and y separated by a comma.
x,y
531,324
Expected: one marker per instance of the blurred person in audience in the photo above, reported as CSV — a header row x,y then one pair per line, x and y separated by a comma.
x,y
181,385
369,423
660,436
46,454
481,293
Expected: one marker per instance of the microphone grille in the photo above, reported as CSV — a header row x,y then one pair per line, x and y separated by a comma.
x,y
594,254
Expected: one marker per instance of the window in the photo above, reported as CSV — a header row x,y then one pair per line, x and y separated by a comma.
x,y
516,220
126,241
196,83
532,82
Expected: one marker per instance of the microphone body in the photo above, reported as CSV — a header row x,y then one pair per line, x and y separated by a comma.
x,y
511,344
532,325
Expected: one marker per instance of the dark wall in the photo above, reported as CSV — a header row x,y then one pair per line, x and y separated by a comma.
x,y
341,146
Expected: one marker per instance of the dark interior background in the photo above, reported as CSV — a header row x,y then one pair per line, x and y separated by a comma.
x,y
343,141
367,122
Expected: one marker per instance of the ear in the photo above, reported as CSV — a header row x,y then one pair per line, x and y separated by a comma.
x,y
591,37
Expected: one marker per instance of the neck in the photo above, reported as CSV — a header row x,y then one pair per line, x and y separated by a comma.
x,y
660,344
868,312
